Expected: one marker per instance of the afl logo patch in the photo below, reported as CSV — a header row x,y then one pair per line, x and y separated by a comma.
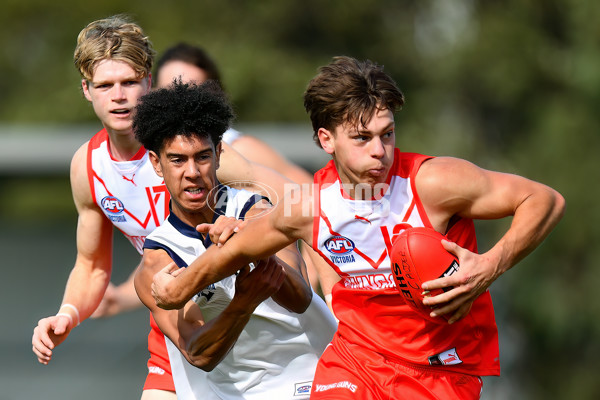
x,y
112,205
302,389
339,245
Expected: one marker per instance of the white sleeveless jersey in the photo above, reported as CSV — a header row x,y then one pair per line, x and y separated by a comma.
x,y
276,354
131,195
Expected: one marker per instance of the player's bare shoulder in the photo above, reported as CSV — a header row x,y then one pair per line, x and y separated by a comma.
x,y
435,171
80,185
443,185
441,176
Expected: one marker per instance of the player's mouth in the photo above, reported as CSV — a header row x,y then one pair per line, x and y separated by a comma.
x,y
378,172
121,111
194,192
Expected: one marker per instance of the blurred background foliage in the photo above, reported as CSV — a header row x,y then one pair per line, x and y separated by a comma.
x,y
512,85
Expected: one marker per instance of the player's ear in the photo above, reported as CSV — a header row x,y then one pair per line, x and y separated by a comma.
x,y
86,89
155,160
327,139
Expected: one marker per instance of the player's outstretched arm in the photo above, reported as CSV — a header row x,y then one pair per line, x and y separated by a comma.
x,y
273,176
260,238
450,187
205,344
295,294
90,275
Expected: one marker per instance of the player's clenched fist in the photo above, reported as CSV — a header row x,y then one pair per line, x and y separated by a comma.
x,y
160,282
256,285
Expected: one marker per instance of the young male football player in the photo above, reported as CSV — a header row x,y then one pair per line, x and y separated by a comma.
x,y
192,64
114,184
256,334
369,192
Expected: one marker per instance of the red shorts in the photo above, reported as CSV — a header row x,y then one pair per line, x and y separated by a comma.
x,y
346,371
159,369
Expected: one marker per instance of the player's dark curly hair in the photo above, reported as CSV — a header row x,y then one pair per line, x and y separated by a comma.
x,y
182,109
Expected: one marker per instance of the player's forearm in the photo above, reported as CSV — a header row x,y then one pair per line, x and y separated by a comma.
x,y
216,338
212,266
533,220
295,293
85,289
217,263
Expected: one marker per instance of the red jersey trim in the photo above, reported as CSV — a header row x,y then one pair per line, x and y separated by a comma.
x,y
372,263
317,212
416,198
137,156
93,144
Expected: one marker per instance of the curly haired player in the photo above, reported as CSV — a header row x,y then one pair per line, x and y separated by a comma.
x,y
192,64
257,333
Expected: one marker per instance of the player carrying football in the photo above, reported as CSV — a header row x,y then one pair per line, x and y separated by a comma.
x,y
382,348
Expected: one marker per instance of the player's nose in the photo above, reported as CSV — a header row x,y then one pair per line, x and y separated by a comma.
x,y
377,148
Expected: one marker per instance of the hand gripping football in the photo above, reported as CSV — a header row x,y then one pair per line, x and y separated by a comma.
x,y
418,256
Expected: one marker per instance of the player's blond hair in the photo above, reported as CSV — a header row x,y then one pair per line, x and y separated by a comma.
x,y
114,38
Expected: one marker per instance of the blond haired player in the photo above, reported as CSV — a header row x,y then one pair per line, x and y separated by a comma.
x,y
114,184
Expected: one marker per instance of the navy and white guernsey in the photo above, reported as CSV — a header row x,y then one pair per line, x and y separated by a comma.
x,y
276,354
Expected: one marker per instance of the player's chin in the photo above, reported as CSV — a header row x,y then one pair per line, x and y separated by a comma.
x,y
373,186
377,175
193,205
120,125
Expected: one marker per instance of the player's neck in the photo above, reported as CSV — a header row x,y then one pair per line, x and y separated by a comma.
x,y
355,189
193,218
123,146
195,215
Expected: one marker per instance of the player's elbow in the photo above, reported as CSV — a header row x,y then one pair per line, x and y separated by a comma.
x,y
560,204
557,206
204,363
204,359
304,302
298,303
300,308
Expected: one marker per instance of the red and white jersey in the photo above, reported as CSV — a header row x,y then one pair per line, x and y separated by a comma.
x,y
131,195
355,238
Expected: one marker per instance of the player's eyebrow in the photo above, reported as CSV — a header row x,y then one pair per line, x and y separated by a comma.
x,y
363,130
172,154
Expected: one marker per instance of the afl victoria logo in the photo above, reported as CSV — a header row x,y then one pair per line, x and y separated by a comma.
x,y
112,205
339,245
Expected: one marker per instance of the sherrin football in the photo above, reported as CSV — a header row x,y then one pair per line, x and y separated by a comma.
x,y
418,256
